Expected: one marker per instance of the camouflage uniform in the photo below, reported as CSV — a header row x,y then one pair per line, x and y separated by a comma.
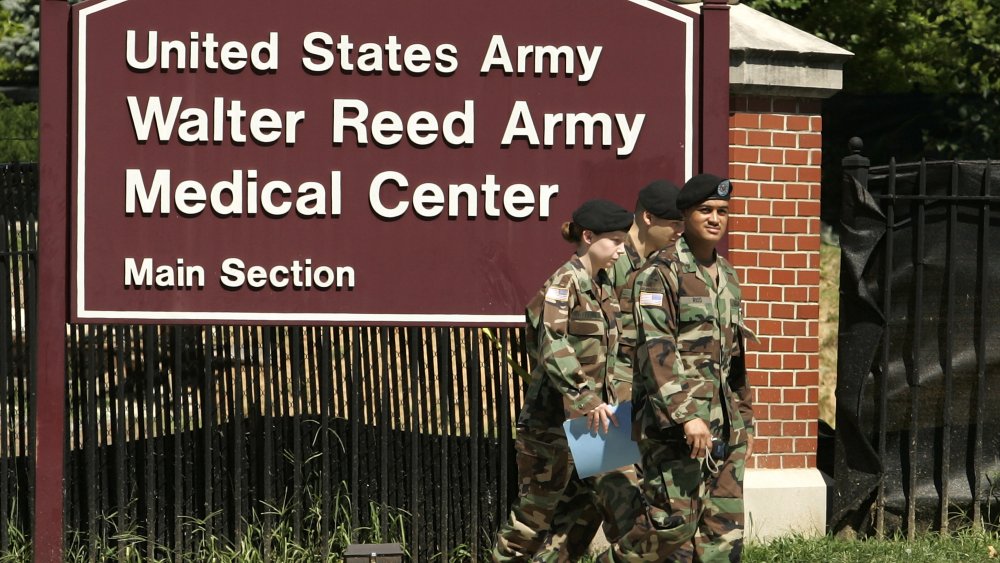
x,y
623,277
574,524
689,364
572,336
577,516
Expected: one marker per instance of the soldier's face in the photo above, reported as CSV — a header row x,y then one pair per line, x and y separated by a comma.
x,y
663,232
708,220
605,248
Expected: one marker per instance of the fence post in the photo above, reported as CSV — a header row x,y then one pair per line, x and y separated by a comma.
x,y
855,165
857,465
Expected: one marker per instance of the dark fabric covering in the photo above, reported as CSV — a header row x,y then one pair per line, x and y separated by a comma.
x,y
863,226
931,426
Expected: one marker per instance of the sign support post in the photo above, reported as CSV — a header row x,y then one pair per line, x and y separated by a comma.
x,y
715,87
53,266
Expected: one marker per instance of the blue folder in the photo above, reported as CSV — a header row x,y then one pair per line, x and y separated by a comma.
x,y
596,452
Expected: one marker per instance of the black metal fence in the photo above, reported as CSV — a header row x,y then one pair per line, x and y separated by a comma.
x,y
18,253
918,426
324,434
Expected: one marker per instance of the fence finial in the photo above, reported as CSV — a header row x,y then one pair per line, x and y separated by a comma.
x,y
855,145
854,164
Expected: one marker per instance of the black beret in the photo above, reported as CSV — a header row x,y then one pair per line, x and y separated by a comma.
x,y
703,187
602,216
660,199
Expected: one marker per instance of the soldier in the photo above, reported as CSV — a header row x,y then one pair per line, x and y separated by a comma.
x,y
572,338
658,223
692,403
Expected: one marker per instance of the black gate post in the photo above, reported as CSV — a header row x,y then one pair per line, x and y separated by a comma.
x,y
857,466
855,165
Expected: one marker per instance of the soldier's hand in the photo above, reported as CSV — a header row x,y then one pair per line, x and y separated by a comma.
x,y
598,419
749,445
698,436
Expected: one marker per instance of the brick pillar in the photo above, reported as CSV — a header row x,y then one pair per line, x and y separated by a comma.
x,y
774,155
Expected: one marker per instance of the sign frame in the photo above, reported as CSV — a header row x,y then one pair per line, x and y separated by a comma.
x,y
81,281
54,272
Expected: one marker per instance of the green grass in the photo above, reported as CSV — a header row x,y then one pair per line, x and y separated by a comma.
x,y
962,546
967,545
283,545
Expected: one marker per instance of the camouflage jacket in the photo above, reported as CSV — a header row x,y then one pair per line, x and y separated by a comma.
x,y
622,278
572,337
628,262
689,355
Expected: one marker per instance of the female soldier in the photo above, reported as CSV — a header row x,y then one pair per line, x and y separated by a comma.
x,y
572,337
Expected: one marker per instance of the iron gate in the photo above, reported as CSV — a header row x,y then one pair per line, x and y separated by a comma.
x,y
918,429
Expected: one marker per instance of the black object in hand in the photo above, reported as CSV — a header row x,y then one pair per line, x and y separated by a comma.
x,y
719,449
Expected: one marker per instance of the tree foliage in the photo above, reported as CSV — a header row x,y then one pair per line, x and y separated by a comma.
x,y
18,65
947,50
941,47
18,131
18,39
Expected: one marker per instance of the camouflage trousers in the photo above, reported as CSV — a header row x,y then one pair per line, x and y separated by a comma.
x,y
544,469
692,514
577,516
574,524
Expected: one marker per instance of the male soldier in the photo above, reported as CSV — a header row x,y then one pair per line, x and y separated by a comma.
x,y
658,223
693,411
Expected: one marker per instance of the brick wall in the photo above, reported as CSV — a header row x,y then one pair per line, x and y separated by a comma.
x,y
774,155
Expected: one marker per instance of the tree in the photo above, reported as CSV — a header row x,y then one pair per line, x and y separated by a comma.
x,y
19,40
18,131
945,50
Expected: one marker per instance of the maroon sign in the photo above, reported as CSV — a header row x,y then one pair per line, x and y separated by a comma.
x,y
386,161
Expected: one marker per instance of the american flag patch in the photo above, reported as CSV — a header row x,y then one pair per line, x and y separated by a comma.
x,y
557,294
654,299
